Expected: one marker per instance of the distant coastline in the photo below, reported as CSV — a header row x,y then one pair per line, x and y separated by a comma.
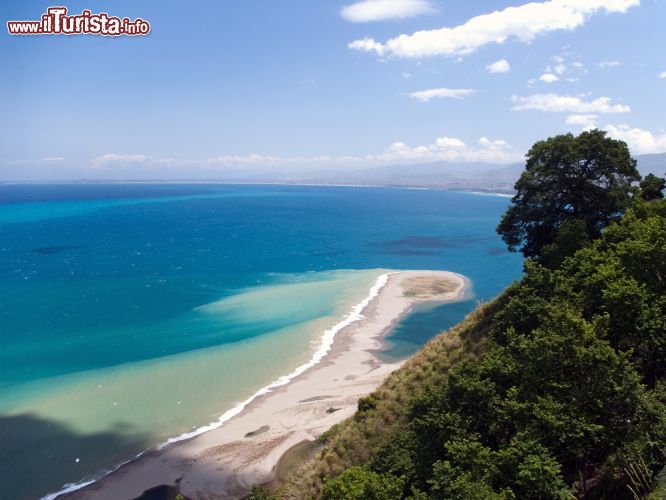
x,y
444,187
496,178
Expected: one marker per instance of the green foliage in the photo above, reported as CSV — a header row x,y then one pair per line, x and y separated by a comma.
x,y
258,492
397,457
524,469
652,187
561,388
557,389
366,404
618,283
659,492
450,482
358,483
571,185
572,235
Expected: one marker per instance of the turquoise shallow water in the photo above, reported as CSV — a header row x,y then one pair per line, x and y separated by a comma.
x,y
132,313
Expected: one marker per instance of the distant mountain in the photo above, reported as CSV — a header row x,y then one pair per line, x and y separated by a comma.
x,y
652,164
468,176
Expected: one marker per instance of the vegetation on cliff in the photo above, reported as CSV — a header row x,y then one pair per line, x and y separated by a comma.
x,y
556,389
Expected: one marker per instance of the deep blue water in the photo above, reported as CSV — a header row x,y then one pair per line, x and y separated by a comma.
x,y
421,325
85,270
100,283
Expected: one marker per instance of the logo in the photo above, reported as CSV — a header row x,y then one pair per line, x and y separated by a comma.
x,y
56,21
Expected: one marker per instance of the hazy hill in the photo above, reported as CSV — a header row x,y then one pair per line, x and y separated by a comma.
x,y
483,176
453,175
652,164
471,176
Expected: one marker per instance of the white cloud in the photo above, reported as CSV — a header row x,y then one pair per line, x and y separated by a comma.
x,y
523,23
406,75
608,64
105,160
548,78
449,143
48,159
585,122
426,95
565,103
501,66
442,149
382,10
640,141
450,149
578,65
662,74
496,144
367,45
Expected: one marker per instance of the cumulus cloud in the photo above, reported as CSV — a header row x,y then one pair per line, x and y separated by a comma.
x,y
565,103
496,144
449,143
522,23
662,74
367,45
103,161
443,148
382,10
450,149
608,64
640,141
548,78
501,66
585,122
426,95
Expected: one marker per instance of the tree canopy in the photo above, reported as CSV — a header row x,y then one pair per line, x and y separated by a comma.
x,y
575,185
652,187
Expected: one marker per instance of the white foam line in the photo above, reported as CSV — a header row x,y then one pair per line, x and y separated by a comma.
x,y
326,344
488,193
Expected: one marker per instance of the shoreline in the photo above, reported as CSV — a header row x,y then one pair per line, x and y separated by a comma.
x,y
239,449
426,187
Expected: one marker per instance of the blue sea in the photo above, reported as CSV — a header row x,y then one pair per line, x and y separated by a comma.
x,y
133,313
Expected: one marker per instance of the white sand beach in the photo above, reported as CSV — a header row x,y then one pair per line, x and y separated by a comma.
x,y
227,461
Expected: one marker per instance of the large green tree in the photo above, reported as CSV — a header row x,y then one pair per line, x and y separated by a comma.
x,y
572,187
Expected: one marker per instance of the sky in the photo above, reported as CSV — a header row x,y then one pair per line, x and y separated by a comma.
x,y
258,86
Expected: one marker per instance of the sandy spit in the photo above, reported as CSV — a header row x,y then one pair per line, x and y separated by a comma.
x,y
227,461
